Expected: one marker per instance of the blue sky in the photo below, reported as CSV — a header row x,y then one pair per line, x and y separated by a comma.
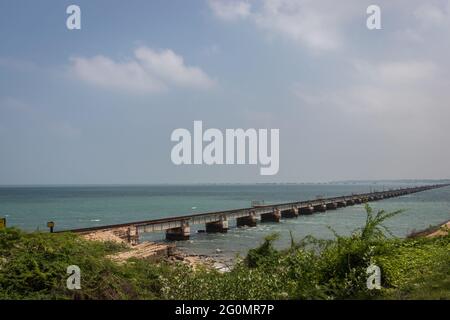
x,y
98,105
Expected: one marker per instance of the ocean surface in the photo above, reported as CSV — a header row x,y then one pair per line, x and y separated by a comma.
x,y
69,207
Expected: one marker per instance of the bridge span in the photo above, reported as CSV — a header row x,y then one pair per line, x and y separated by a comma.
x,y
178,228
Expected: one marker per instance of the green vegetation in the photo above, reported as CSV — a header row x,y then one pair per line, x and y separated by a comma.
x,y
33,266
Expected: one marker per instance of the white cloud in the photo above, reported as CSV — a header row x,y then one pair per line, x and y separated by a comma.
x,y
304,22
150,71
104,72
170,67
314,24
230,10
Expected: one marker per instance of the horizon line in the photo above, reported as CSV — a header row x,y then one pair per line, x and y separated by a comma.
x,y
217,183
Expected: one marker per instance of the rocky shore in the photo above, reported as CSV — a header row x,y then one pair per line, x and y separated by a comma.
x,y
159,251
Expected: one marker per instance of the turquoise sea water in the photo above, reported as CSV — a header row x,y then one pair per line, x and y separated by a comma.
x,y
83,206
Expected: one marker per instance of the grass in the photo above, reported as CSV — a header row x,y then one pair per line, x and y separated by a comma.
x,y
33,266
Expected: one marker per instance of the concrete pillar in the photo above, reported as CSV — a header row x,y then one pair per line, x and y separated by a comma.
x,y
292,213
217,226
274,216
332,205
249,221
306,210
320,208
133,235
342,204
180,233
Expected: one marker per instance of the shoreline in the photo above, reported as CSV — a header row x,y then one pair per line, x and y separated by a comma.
x,y
157,251
432,231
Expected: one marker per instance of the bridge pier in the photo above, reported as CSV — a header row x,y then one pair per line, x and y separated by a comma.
x,y
133,237
217,226
342,204
292,213
274,216
307,210
332,205
129,234
320,208
249,221
180,233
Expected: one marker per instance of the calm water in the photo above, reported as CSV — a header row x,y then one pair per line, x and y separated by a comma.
x,y
72,207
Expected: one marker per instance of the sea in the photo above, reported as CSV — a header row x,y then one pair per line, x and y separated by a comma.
x,y
31,207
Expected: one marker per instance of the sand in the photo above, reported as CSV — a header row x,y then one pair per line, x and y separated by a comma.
x,y
442,231
143,250
148,250
104,236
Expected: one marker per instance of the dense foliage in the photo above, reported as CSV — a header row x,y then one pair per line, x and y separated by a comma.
x,y
33,266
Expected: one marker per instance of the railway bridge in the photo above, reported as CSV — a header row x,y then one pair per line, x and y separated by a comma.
x,y
179,228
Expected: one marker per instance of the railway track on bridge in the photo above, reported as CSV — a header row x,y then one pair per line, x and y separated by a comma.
x,y
178,228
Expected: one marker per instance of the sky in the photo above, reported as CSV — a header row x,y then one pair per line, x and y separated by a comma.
x,y
98,105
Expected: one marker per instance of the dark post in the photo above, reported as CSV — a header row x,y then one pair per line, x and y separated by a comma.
x,y
51,225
